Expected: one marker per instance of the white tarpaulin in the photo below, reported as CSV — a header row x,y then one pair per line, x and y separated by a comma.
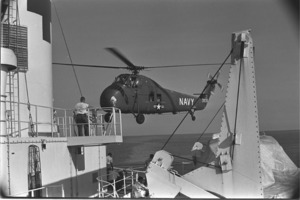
x,y
280,175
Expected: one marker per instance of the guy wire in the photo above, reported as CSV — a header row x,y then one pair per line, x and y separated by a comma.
x,y
196,101
62,31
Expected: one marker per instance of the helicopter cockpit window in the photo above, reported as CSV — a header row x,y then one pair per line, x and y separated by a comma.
x,y
133,82
151,97
158,97
121,79
117,79
137,82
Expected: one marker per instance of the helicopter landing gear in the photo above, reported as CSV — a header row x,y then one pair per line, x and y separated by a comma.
x,y
107,117
192,115
193,118
140,118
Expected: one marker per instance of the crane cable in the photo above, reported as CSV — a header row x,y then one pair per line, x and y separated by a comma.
x,y
197,100
62,31
211,121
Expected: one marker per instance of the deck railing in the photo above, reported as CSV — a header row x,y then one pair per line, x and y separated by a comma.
x,y
118,183
34,120
43,192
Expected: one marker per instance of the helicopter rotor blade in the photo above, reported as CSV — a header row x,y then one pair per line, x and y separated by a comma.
x,y
121,57
95,66
145,68
187,65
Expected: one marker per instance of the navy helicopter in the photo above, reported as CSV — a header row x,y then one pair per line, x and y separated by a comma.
x,y
140,95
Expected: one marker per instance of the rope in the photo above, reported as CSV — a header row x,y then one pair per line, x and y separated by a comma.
x,y
33,133
62,31
201,136
207,164
207,84
211,120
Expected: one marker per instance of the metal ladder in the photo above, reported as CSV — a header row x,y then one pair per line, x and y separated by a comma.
x,y
12,90
12,107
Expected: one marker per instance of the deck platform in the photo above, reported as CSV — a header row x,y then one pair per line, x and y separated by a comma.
x,y
93,140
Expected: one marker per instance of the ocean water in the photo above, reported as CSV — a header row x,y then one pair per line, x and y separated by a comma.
x,y
136,149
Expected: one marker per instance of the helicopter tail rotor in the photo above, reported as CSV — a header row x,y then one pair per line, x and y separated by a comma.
x,y
213,81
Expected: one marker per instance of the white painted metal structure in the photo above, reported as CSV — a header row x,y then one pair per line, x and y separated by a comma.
x,y
36,16
237,171
68,162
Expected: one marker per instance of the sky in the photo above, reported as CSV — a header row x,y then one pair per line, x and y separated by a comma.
x,y
172,32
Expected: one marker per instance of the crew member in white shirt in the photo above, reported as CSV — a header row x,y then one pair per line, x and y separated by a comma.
x,y
81,111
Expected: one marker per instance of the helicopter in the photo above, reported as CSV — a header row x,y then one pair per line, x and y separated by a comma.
x,y
139,95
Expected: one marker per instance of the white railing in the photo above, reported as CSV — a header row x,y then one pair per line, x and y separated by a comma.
x,y
44,190
125,178
58,122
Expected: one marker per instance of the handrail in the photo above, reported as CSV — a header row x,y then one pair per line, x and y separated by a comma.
x,y
132,169
28,191
41,188
103,184
60,122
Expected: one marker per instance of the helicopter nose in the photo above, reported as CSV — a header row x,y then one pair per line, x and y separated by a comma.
x,y
110,97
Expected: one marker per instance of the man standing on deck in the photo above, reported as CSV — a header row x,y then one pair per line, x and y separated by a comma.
x,y
81,118
109,167
109,162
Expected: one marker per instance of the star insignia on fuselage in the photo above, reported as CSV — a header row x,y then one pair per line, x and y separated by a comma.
x,y
158,106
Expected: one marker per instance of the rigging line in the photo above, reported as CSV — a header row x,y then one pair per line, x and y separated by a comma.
x,y
197,100
237,96
62,31
207,164
28,102
204,132
211,120
33,133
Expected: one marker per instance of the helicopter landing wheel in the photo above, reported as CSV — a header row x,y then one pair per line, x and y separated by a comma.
x,y
192,115
107,117
193,118
140,118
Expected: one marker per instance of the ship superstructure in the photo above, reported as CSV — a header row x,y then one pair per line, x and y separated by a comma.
x,y
41,152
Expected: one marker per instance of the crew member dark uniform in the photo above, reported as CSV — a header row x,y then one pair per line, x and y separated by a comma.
x,y
81,111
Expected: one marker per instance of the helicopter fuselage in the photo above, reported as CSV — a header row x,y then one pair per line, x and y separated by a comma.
x,y
139,94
